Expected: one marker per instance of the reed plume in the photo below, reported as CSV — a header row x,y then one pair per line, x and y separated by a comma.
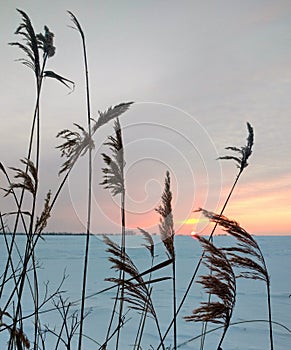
x,y
149,245
244,152
247,256
220,282
77,143
30,46
42,220
166,221
113,178
36,46
136,292
28,179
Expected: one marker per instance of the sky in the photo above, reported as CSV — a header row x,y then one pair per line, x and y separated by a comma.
x,y
197,72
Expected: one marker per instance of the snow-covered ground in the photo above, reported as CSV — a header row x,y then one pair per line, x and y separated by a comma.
x,y
57,254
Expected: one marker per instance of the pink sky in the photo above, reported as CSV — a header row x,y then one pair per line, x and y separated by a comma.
x,y
197,72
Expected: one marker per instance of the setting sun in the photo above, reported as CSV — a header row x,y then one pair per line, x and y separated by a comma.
x,y
193,234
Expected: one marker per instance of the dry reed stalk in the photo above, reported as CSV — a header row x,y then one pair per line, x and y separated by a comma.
x,y
78,27
167,232
114,181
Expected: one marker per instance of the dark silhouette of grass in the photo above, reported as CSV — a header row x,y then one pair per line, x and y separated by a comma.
x,y
244,153
247,256
134,288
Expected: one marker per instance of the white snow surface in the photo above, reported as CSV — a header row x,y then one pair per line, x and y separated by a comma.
x,y
59,255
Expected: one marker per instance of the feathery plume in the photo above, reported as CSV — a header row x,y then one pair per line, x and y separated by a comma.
x,y
247,256
244,151
41,222
220,282
166,221
29,179
136,292
113,173
77,143
30,46
150,246
46,42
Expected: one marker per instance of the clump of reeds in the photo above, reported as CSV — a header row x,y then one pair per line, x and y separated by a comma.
x,y
38,48
244,152
220,282
241,160
136,290
247,256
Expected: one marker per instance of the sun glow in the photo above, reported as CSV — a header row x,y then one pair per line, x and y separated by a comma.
x,y
191,221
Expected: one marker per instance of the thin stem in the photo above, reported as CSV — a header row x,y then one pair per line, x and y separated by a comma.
x,y
227,323
270,315
157,323
142,321
140,330
36,290
112,314
268,299
29,243
174,303
123,257
222,337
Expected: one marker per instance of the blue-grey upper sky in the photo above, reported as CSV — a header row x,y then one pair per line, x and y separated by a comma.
x,y
197,70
